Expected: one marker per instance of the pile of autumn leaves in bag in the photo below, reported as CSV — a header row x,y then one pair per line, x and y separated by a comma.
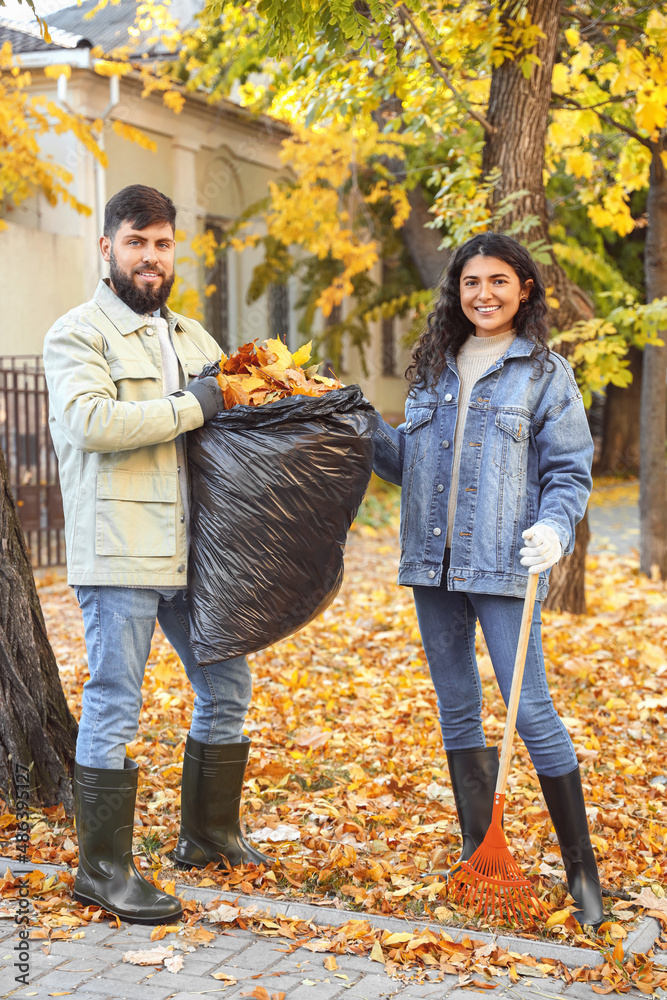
x,y
253,375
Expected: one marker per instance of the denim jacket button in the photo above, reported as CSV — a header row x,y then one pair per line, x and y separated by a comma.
x,y
445,444
440,487
437,531
431,574
448,397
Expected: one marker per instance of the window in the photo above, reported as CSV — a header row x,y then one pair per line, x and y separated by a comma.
x,y
389,346
388,339
216,308
279,312
336,347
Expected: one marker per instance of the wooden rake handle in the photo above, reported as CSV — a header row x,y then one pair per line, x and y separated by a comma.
x,y
517,678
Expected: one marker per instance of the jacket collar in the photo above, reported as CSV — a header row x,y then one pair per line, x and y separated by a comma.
x,y
521,347
125,320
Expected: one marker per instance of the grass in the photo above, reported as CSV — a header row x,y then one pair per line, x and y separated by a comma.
x,y
380,506
150,843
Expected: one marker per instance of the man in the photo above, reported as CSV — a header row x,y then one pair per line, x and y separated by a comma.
x,y
121,372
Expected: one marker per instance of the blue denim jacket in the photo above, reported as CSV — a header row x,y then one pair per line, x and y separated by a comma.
x,y
526,457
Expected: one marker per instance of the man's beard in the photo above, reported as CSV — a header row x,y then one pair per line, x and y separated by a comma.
x,y
142,301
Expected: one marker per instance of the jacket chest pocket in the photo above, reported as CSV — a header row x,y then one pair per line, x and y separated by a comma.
x,y
512,432
417,427
135,513
194,365
128,373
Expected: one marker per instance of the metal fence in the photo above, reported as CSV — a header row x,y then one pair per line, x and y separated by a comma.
x,y
33,467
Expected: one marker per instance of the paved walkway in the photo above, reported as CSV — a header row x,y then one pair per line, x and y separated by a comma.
x,y
91,966
613,517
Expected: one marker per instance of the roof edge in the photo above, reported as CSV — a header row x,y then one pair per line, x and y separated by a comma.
x,y
62,39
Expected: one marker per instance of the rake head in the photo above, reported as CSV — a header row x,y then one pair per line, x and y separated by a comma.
x,y
491,882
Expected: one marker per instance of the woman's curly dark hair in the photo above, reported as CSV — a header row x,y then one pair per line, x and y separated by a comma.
x,y
447,327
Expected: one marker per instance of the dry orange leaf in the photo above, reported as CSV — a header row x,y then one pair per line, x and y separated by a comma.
x,y
224,977
259,993
253,376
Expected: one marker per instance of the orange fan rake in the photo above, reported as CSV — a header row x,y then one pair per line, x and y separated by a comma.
x,y
491,881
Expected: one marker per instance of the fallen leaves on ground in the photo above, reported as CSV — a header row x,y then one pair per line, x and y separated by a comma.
x,y
346,750
611,492
253,376
150,956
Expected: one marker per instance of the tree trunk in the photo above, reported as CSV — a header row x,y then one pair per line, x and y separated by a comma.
x,y
423,244
652,477
567,590
37,730
519,113
620,433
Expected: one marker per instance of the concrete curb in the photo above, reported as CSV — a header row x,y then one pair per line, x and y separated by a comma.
x,y
639,940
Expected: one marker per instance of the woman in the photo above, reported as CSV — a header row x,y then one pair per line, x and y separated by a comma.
x,y
494,459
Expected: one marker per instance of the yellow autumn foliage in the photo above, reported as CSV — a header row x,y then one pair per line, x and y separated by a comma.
x,y
321,208
625,90
24,118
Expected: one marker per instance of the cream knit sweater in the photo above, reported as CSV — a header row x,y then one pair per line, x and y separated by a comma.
x,y
476,355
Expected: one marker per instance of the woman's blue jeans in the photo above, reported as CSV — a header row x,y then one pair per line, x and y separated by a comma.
x,y
119,624
447,622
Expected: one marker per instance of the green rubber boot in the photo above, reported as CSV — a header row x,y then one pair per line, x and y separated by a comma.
x,y
104,808
210,806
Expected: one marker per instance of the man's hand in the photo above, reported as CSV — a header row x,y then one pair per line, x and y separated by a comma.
x,y
543,548
208,394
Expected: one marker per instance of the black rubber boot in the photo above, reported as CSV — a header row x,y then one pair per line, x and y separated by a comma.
x,y
473,774
564,797
104,807
210,806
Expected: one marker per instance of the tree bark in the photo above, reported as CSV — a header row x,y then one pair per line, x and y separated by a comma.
x,y
652,475
37,730
567,583
519,114
423,244
620,433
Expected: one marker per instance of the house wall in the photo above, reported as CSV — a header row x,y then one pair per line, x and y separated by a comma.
x,y
41,278
128,161
214,162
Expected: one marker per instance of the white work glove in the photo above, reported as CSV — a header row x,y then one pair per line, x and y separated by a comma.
x,y
542,548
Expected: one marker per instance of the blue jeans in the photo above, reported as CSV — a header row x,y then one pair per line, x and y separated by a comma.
x,y
119,623
447,622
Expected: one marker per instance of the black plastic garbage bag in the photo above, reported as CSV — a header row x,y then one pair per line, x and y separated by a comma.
x,y
274,490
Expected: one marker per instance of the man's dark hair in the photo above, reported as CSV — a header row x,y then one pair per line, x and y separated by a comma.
x,y
139,205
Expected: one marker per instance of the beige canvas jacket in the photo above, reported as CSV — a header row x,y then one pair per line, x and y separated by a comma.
x,y
114,434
